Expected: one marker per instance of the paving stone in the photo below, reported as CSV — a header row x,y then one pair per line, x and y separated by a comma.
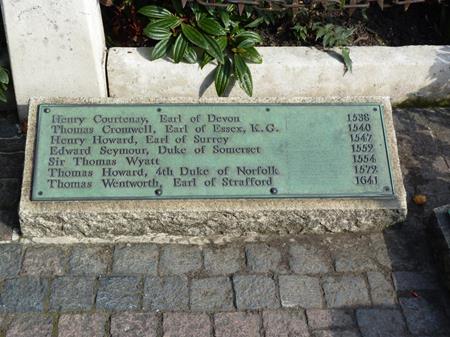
x,y
262,258
405,280
282,323
345,291
90,260
11,164
9,193
186,325
223,261
136,259
10,256
255,292
166,293
44,261
337,333
134,324
300,291
379,250
309,259
381,289
380,322
82,325
180,259
119,293
30,326
423,316
72,293
328,319
212,294
237,324
24,294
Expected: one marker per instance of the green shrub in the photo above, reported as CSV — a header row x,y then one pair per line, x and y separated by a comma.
x,y
4,81
203,35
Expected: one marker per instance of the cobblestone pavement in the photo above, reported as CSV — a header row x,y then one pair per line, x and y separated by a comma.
x,y
372,284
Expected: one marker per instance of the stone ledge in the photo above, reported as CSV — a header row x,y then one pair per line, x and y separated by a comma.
x,y
109,219
415,73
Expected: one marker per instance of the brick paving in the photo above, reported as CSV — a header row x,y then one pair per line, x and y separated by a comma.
x,y
362,285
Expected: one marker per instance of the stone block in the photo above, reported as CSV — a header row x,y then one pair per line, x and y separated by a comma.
x,y
223,260
167,293
212,294
255,292
119,293
10,258
131,74
11,164
44,261
24,294
72,294
440,228
381,289
336,333
180,259
329,319
186,325
424,316
345,291
57,48
381,322
136,259
82,325
300,291
237,324
405,280
30,326
99,218
135,324
90,260
262,258
282,323
309,259
8,221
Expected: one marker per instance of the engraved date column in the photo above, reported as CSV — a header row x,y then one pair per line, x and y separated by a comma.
x,y
365,169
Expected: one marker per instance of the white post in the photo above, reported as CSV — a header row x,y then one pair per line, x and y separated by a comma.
x,y
57,48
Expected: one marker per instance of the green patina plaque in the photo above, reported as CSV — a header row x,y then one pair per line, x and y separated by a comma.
x,y
172,151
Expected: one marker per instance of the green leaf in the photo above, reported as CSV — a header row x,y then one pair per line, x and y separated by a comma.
x,y
206,58
167,23
347,60
247,43
248,35
155,12
214,49
157,33
243,74
255,23
160,49
194,36
222,41
225,17
3,96
222,77
4,78
179,48
252,55
190,55
211,26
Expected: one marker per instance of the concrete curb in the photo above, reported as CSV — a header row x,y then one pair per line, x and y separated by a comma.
x,y
412,73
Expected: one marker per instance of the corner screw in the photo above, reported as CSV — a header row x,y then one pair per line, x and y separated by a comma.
x,y
40,193
375,109
158,192
386,188
159,109
267,109
47,110
273,190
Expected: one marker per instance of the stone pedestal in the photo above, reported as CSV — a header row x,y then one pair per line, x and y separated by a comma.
x,y
204,217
